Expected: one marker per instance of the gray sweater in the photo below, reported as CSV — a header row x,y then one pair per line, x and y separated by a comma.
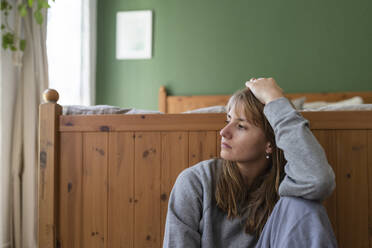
x,y
193,218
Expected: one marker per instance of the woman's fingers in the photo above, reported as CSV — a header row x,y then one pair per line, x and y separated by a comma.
x,y
265,89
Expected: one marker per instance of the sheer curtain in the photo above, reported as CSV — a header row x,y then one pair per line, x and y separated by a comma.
x,y
71,46
7,98
9,74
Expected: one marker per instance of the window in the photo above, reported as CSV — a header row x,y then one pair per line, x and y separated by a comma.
x,y
71,50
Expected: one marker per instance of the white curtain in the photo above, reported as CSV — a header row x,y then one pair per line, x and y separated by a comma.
x,y
9,76
32,82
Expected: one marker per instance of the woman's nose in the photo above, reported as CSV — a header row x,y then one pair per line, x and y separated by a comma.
x,y
225,132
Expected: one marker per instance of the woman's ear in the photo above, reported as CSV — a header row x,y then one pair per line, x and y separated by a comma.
x,y
268,148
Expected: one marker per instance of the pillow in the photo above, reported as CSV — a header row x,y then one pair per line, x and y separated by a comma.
x,y
353,107
212,109
103,110
143,111
92,110
348,102
298,102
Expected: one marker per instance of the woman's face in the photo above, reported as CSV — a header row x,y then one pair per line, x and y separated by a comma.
x,y
241,140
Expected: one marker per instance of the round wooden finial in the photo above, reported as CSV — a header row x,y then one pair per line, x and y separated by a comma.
x,y
50,95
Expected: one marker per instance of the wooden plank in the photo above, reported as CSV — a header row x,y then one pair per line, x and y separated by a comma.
x,y
162,99
200,122
121,190
47,173
332,97
202,146
174,159
218,144
179,104
70,206
369,165
147,190
352,192
95,190
327,139
149,122
339,119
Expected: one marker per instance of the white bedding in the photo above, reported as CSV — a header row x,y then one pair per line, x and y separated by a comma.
x,y
355,103
103,110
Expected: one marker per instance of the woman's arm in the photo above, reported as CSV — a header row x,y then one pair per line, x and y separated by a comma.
x,y
184,212
308,173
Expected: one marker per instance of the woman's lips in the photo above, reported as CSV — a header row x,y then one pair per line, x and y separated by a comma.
x,y
224,145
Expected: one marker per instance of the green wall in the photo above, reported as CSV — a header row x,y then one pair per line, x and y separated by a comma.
x,y
214,46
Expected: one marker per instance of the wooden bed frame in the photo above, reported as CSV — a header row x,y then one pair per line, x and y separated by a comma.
x,y
178,104
104,180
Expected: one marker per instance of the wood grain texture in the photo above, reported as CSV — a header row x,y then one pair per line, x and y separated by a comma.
x,y
179,104
352,188
174,159
148,122
162,100
95,190
339,119
200,122
47,173
94,206
147,189
332,96
70,179
328,141
121,190
369,165
218,144
202,146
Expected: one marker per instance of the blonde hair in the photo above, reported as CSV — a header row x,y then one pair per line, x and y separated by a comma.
x,y
257,201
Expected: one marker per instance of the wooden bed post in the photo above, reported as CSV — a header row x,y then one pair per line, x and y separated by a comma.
x,y
49,113
162,99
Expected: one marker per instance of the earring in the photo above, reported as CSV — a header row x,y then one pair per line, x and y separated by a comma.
x,y
267,156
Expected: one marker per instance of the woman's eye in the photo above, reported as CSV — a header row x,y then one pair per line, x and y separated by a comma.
x,y
241,126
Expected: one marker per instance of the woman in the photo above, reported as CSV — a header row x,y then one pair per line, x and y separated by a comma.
x,y
255,196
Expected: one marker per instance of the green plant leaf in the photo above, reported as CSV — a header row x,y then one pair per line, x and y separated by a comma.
x,y
22,45
8,40
22,8
4,43
45,5
9,37
38,17
4,5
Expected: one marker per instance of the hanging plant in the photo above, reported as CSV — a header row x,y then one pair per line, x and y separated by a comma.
x,y
10,40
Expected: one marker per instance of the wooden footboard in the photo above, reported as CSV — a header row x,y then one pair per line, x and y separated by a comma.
x,y
104,181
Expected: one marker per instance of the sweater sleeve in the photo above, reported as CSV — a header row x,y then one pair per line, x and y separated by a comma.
x,y
308,173
184,212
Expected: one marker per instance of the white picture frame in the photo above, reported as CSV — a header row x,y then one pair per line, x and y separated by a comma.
x,y
134,34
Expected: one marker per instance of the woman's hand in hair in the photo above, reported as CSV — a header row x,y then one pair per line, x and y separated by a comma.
x,y
265,89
